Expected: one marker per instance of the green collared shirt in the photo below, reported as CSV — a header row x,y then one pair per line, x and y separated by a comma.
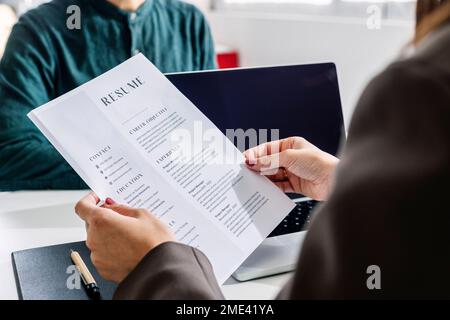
x,y
44,59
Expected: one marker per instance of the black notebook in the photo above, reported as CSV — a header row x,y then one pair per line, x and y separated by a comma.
x,y
48,273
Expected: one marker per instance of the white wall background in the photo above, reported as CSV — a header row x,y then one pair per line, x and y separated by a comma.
x,y
264,38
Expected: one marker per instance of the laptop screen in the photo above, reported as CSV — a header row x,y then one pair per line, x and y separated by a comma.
x,y
298,100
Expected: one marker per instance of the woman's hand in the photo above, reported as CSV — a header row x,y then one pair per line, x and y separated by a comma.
x,y
119,236
295,166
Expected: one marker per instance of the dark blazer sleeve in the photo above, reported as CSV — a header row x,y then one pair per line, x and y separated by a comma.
x,y
388,207
171,271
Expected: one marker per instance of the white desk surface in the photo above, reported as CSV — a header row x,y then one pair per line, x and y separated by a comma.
x,y
30,219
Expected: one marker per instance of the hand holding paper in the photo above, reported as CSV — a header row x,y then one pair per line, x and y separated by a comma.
x,y
132,136
119,236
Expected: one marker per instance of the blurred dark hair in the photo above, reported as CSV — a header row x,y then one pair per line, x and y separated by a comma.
x,y
430,15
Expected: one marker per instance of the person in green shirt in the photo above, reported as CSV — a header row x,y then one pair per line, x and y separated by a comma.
x,y
46,57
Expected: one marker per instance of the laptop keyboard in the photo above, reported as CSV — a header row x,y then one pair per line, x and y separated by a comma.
x,y
297,220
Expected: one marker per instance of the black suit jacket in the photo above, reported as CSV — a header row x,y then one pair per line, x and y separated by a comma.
x,y
389,206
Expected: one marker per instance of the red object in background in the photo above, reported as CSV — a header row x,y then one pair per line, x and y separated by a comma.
x,y
227,58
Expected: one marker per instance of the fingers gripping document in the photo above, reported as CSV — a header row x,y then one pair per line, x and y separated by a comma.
x,y
132,136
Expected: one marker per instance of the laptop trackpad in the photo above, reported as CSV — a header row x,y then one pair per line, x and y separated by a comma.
x,y
274,255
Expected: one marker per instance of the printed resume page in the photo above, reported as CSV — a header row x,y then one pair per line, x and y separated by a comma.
x,y
132,136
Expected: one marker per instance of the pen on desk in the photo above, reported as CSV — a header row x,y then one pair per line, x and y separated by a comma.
x,y
88,280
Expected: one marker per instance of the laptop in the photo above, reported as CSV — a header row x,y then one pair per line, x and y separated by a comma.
x,y
293,100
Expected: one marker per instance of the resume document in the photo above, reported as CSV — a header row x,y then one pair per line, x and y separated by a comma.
x,y
132,136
